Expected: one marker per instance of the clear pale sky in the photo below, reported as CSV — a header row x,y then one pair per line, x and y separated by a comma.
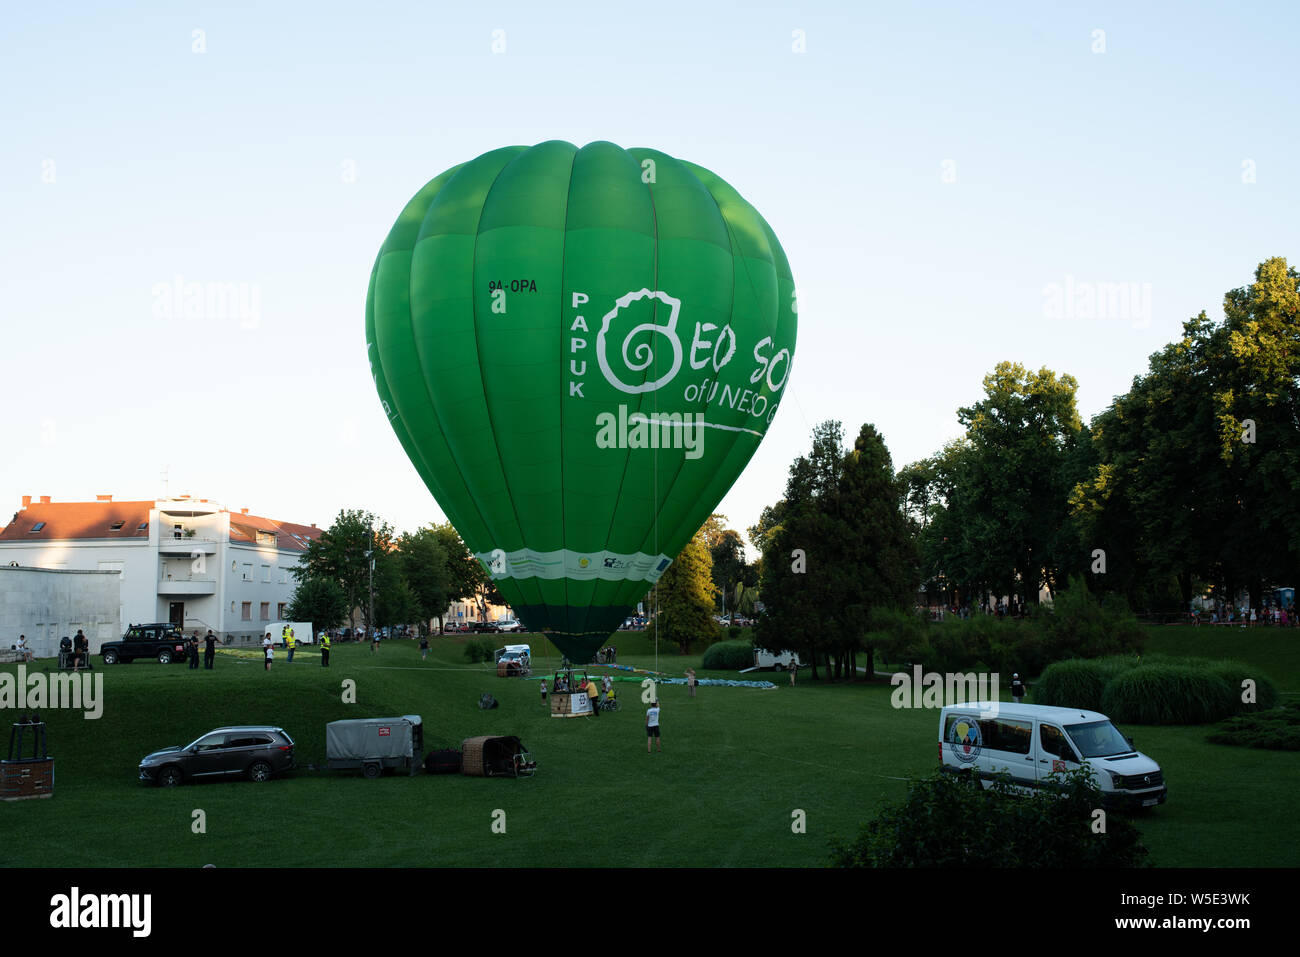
x,y
933,172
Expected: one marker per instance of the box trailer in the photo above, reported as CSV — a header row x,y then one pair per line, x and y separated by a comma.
x,y
372,744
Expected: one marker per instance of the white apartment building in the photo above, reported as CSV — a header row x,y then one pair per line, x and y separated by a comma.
x,y
184,560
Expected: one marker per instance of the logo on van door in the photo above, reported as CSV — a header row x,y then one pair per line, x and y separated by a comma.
x,y
965,740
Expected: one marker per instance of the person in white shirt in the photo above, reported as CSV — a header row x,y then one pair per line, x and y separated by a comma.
x,y
652,727
24,648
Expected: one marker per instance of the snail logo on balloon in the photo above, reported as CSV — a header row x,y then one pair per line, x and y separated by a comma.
x,y
644,353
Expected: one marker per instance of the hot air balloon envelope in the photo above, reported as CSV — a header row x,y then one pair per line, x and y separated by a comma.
x,y
579,349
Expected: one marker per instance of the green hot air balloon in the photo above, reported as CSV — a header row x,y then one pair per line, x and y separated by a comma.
x,y
579,350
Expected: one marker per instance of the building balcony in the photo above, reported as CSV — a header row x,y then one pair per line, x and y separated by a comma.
x,y
167,545
188,586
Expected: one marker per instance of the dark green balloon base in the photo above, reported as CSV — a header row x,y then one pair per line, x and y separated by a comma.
x,y
578,632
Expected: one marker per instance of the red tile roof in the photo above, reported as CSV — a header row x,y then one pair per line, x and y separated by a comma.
x,y
244,528
78,520
86,520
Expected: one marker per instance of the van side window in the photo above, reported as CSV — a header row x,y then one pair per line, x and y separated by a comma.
x,y
1003,734
1053,742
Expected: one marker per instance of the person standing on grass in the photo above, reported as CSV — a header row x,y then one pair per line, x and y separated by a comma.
x,y
194,651
209,650
652,727
1017,689
794,669
80,651
424,647
266,650
325,650
690,680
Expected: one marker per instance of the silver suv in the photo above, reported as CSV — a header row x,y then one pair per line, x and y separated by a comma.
x,y
256,752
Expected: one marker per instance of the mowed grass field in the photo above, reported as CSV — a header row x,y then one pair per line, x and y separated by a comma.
x,y
737,764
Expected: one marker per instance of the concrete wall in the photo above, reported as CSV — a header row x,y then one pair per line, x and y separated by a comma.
x,y
46,605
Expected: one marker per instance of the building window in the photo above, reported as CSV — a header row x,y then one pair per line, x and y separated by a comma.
x,y
144,527
116,526
282,612
266,574
266,611
248,571
247,608
266,538
284,575
38,526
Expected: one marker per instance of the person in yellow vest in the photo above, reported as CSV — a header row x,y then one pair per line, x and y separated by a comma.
x,y
289,641
325,649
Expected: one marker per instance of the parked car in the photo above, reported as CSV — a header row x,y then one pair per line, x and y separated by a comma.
x,y
514,653
484,627
161,640
1029,742
510,624
257,752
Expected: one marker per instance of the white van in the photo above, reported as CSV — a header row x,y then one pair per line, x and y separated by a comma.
x,y
1029,742
780,661
514,651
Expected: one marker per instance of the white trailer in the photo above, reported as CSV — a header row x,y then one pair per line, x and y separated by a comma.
x,y
765,659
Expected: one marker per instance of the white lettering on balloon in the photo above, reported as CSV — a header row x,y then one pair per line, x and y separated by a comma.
x,y
576,367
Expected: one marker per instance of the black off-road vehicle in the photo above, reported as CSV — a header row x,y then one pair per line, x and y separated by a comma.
x,y
161,640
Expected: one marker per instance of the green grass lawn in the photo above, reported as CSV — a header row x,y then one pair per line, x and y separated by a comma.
x,y
737,764
1276,651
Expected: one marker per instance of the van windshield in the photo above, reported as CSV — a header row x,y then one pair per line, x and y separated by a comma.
x,y
1098,739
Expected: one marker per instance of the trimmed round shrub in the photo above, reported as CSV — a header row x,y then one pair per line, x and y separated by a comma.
x,y
728,656
1168,694
1072,684
479,649
1235,673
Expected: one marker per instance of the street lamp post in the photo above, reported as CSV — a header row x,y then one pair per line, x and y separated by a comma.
x,y
370,557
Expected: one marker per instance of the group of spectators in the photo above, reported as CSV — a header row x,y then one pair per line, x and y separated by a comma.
x,y
1001,609
1246,617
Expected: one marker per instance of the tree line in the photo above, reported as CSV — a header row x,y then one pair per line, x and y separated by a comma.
x,y
1186,485
415,578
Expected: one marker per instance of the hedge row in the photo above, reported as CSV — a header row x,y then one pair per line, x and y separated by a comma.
x,y
1160,690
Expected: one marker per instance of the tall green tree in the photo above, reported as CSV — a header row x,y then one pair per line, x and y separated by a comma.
x,y
1005,523
426,566
844,546
684,598
343,552
1198,463
320,601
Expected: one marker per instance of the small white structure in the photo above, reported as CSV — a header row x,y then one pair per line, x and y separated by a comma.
x,y
46,605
